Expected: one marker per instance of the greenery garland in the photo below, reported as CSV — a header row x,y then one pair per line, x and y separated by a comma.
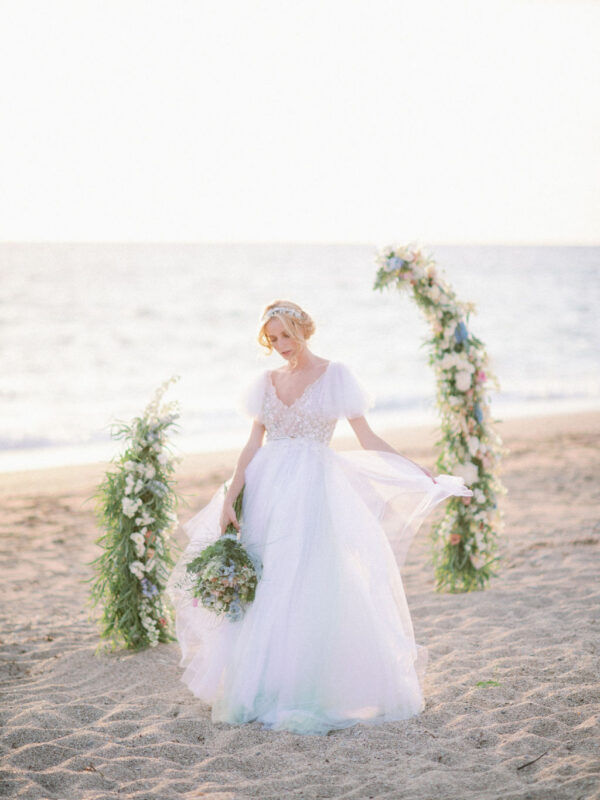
x,y
136,507
464,541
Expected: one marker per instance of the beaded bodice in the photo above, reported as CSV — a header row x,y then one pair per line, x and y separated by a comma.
x,y
302,419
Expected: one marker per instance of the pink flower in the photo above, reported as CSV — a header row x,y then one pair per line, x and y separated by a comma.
x,y
455,538
481,377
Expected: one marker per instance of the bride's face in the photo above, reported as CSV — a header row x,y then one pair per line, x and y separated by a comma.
x,y
281,341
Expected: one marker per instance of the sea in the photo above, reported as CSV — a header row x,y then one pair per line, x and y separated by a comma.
x,y
90,330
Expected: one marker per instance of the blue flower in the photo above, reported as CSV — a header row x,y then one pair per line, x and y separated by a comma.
x,y
234,612
478,412
148,589
395,263
460,332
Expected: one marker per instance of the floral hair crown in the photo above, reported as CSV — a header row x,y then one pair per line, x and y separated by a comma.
x,y
282,310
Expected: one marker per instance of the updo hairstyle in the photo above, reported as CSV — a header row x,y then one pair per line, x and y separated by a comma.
x,y
300,328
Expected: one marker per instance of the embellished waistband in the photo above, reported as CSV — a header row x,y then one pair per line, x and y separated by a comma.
x,y
293,439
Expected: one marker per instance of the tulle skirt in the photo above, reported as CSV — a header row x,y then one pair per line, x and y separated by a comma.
x,y
328,641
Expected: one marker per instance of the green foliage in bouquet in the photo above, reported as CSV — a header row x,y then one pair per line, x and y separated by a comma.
x,y
464,542
135,505
223,577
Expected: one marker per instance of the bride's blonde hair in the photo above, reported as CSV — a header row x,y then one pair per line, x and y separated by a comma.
x,y
297,324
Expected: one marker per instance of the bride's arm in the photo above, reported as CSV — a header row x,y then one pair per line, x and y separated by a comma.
x,y
369,440
253,444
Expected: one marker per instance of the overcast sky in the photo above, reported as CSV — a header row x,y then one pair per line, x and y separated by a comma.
x,y
300,120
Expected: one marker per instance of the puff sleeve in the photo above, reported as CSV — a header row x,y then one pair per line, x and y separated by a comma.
x,y
344,394
250,399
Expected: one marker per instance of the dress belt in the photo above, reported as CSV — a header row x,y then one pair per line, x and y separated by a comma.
x,y
295,438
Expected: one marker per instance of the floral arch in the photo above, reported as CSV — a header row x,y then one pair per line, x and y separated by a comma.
x,y
463,543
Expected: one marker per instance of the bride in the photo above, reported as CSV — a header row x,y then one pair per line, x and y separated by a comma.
x,y
328,641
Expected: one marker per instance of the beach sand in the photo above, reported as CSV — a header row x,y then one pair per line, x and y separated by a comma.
x,y
76,724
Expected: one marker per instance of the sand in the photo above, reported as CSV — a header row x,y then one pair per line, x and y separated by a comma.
x,y
76,724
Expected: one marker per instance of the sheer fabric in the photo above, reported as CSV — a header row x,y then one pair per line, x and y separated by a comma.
x,y
328,641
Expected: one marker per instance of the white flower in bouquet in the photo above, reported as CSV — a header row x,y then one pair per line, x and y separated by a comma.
x,y
467,471
138,540
463,364
144,519
463,381
130,506
449,360
137,568
478,496
473,444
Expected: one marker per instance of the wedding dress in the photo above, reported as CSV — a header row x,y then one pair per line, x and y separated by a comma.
x,y
328,641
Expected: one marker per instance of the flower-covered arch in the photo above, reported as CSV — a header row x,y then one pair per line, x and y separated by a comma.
x,y
464,542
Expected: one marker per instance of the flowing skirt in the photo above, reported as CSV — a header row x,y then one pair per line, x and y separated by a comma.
x,y
328,641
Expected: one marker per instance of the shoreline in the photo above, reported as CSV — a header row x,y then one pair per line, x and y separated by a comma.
x,y
25,458
414,441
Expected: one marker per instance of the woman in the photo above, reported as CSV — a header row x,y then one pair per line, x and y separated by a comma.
x,y
328,641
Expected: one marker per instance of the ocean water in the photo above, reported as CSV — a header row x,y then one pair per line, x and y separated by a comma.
x,y
88,332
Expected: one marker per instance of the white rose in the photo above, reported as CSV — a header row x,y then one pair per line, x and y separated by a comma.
x,y
463,381
467,471
473,444
448,361
463,365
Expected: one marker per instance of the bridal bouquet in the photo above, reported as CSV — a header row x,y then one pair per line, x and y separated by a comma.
x,y
223,577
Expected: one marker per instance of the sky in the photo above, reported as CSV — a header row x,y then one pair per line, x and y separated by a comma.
x,y
368,121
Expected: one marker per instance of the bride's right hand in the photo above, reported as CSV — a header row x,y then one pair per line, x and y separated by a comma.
x,y
228,516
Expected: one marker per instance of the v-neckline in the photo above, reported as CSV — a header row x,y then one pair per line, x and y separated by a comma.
x,y
305,390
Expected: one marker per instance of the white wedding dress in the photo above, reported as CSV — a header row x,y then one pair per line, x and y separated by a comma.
x,y
328,641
